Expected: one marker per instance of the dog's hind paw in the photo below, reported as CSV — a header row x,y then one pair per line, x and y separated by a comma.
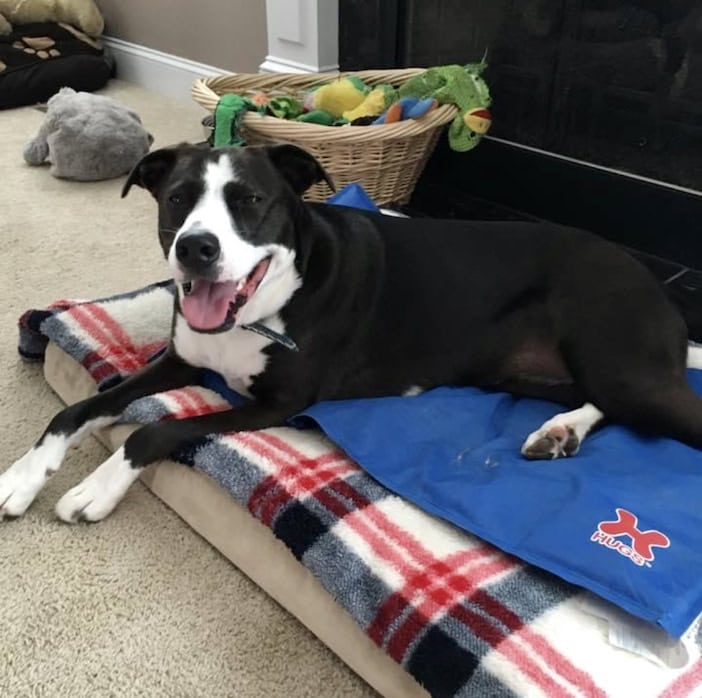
x,y
551,441
563,434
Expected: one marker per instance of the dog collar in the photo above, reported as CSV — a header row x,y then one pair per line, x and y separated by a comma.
x,y
268,333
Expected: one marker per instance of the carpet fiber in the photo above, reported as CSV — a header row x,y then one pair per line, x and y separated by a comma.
x,y
137,605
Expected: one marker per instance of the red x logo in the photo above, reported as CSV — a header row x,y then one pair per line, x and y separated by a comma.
x,y
641,541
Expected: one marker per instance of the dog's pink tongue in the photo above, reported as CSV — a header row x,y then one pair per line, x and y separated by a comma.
x,y
206,307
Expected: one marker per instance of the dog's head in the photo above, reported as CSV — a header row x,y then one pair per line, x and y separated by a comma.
x,y
227,226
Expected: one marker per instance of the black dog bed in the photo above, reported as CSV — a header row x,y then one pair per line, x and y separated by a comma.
x,y
36,60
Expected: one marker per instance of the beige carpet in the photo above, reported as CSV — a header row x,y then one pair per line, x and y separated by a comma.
x,y
138,605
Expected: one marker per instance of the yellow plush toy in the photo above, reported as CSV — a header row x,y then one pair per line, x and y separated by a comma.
x,y
338,96
374,104
82,14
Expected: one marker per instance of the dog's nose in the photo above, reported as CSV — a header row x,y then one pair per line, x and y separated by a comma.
x,y
198,250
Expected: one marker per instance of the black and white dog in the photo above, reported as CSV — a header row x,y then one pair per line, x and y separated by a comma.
x,y
376,305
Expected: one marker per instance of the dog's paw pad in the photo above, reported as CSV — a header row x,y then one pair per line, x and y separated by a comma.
x,y
551,442
543,448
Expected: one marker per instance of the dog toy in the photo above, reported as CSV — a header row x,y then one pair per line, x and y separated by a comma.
x,y
319,117
374,103
338,96
231,109
228,114
82,14
407,108
463,86
285,107
88,137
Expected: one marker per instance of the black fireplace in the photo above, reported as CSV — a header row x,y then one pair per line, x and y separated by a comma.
x,y
597,113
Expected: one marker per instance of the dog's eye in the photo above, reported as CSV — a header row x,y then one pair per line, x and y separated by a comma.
x,y
175,199
250,199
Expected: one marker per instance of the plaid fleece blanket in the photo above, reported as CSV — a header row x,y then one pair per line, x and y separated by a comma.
x,y
460,616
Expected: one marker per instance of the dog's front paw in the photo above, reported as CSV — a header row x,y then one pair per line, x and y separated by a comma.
x,y
85,502
551,441
20,484
99,493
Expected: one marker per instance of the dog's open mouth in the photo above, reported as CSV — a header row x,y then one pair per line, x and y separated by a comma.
x,y
212,306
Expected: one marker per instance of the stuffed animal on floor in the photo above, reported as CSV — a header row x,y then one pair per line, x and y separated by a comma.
x,y
82,14
88,137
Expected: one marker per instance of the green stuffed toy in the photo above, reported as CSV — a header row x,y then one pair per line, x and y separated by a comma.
x,y
229,112
463,86
285,107
319,117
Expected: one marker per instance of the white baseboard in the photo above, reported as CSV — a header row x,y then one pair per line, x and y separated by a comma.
x,y
161,72
273,64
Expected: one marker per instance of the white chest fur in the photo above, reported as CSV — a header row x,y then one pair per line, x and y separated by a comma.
x,y
236,354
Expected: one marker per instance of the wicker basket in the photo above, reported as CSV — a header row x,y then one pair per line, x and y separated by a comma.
x,y
387,160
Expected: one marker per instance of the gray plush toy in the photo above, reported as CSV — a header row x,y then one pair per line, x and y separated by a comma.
x,y
88,137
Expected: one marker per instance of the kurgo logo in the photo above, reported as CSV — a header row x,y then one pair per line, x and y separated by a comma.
x,y
640,552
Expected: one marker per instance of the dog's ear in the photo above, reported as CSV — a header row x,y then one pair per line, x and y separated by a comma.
x,y
298,167
150,171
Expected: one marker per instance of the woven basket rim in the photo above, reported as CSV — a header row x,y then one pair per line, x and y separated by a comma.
x,y
207,91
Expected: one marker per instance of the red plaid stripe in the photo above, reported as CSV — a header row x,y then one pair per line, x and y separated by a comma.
x,y
296,476
115,353
518,631
430,591
119,354
191,403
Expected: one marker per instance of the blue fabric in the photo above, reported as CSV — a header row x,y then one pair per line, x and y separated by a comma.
x,y
455,452
215,381
354,196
